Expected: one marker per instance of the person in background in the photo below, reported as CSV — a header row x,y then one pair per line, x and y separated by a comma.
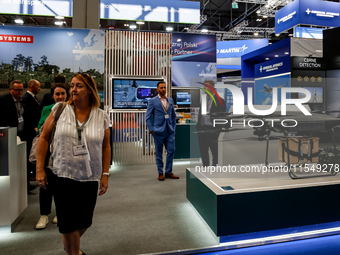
x,y
12,113
48,97
31,104
161,122
208,135
59,92
81,159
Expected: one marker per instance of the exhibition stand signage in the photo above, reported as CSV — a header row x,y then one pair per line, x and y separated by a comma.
x,y
235,49
273,67
307,12
193,59
38,7
308,63
151,10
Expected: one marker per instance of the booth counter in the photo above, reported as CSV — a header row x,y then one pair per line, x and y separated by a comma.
x,y
13,178
186,141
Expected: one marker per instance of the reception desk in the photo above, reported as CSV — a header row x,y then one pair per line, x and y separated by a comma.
x,y
13,178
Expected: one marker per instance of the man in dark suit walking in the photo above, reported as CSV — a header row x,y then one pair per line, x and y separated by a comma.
x,y
31,105
208,135
161,122
12,108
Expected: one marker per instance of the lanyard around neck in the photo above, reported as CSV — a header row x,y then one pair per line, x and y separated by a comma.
x,y
80,128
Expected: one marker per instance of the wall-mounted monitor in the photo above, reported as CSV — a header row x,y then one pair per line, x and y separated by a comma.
x,y
316,95
186,97
133,93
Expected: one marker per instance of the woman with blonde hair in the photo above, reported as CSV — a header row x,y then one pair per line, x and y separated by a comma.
x,y
81,159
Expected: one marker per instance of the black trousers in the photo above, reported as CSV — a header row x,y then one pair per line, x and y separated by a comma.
x,y
45,200
208,141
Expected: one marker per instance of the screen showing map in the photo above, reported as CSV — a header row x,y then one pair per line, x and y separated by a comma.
x,y
131,93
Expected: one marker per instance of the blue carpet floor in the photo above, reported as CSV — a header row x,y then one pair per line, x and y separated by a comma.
x,y
329,245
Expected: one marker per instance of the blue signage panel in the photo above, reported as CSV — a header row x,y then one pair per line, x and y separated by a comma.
x,y
287,17
234,49
308,12
37,7
321,13
193,47
151,10
273,67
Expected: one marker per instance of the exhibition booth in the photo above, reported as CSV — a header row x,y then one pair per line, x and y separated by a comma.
x,y
273,176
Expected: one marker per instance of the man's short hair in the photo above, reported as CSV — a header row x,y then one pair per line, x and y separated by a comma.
x,y
31,83
210,82
59,79
12,83
160,82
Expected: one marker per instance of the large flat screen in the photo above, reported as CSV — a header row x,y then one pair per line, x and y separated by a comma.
x,y
186,98
131,93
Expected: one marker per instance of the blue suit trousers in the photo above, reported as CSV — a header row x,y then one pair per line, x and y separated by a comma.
x,y
169,141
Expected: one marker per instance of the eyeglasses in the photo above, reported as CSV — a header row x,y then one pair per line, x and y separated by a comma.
x,y
18,90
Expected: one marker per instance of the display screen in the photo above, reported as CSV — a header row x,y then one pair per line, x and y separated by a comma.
x,y
186,98
133,93
316,95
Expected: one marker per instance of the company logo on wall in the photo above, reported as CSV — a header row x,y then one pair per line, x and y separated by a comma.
x,y
16,38
233,50
323,14
306,79
270,68
286,18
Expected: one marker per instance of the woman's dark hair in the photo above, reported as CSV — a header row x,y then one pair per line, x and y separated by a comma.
x,y
60,85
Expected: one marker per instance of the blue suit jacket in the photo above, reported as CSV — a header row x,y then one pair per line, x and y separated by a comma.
x,y
155,116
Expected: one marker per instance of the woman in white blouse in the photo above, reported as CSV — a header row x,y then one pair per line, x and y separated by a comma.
x,y
81,160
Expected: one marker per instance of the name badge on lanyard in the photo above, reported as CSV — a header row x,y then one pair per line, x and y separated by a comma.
x,y
80,149
166,116
20,120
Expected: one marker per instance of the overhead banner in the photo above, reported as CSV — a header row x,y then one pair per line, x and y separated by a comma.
x,y
193,47
151,10
307,12
273,67
235,49
37,7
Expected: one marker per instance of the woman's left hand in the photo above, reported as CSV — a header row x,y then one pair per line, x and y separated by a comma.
x,y
104,184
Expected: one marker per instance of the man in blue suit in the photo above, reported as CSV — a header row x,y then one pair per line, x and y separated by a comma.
x,y
161,123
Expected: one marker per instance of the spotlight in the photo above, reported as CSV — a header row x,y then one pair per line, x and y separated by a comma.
x,y
19,21
133,26
58,23
169,29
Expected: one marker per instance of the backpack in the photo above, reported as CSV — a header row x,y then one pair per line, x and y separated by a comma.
x,y
33,152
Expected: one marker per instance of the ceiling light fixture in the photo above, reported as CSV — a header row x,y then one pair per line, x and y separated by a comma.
x,y
204,30
258,11
59,17
256,33
276,56
140,22
287,53
58,23
133,26
169,28
19,21
267,58
264,16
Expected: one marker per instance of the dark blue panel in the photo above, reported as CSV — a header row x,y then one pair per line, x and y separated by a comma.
x,y
273,67
287,17
193,47
315,12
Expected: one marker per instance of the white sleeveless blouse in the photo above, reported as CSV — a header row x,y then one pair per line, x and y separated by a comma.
x,y
81,167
